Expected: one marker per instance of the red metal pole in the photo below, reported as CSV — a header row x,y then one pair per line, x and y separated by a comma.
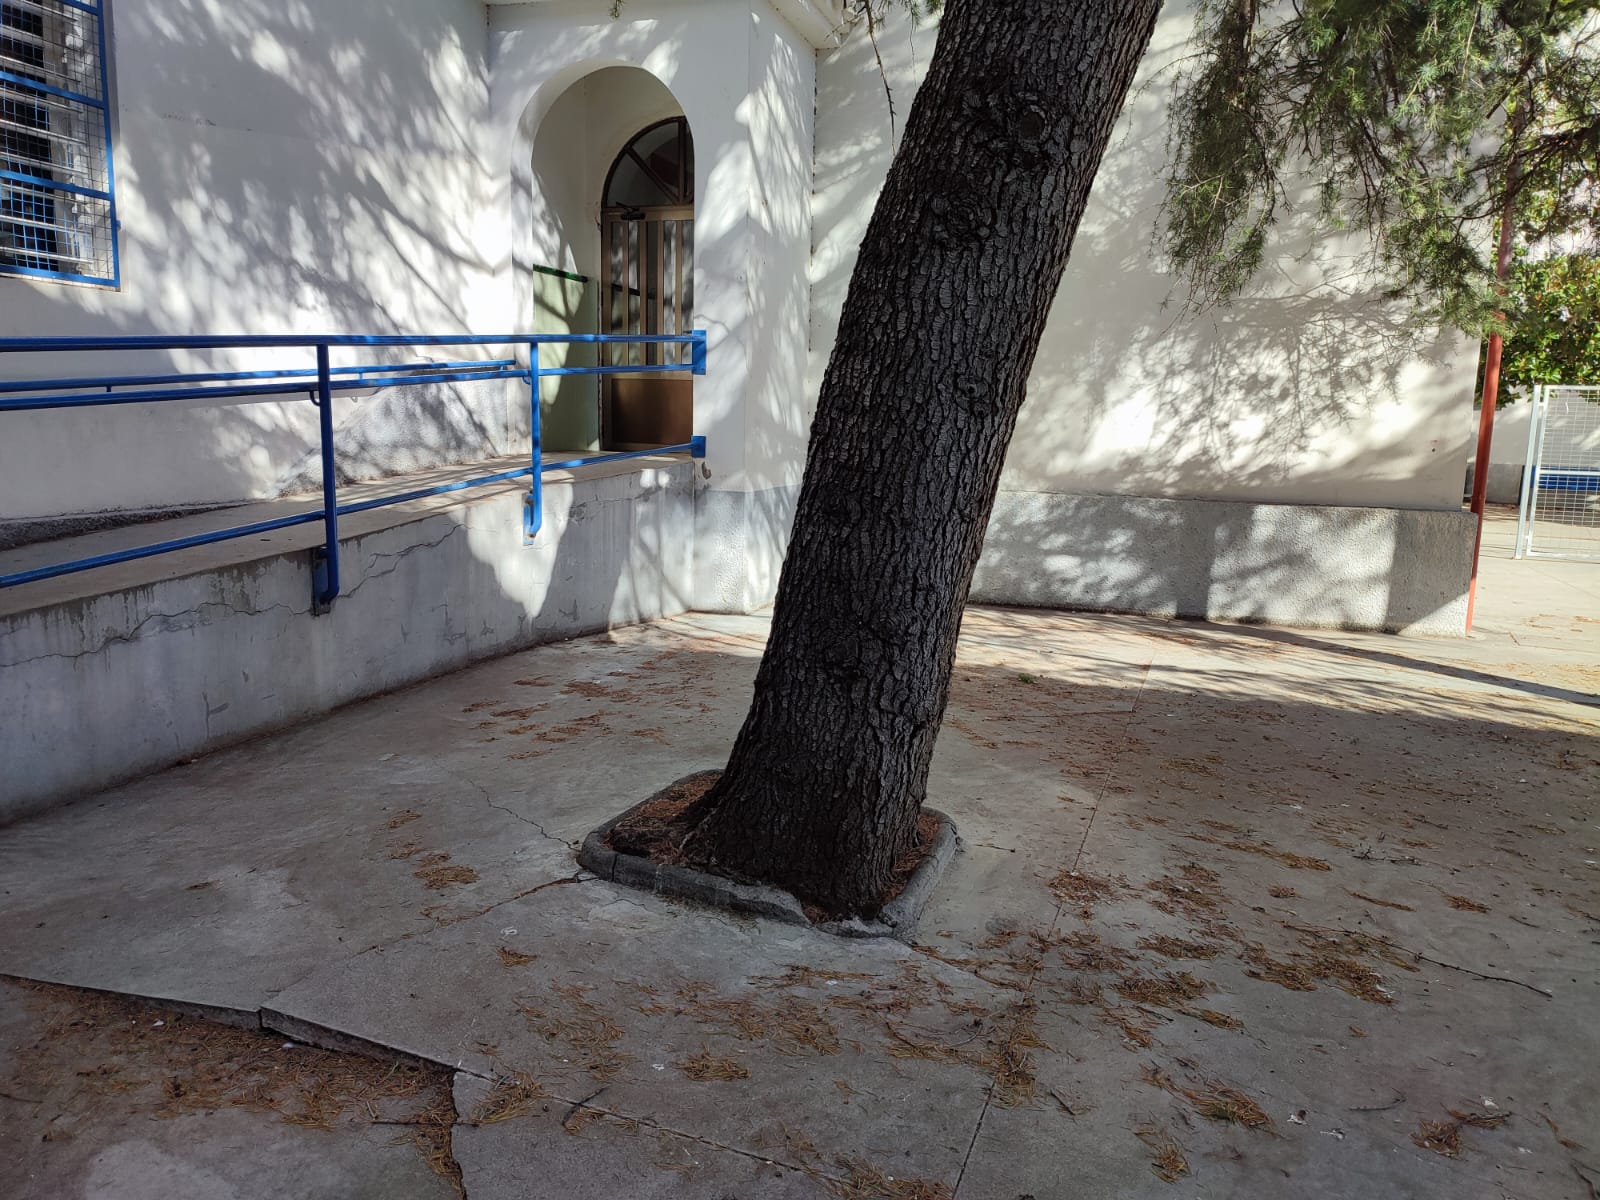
x,y
1491,396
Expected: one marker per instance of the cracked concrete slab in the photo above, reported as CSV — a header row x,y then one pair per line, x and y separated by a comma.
x,y
619,992
222,881
229,1155
563,1149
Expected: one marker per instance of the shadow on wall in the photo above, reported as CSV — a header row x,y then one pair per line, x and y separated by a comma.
x,y
1310,389
281,167
778,117
291,167
1355,568
325,175
1152,437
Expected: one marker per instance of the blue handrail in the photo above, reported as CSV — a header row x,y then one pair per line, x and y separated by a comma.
x,y
320,383
41,385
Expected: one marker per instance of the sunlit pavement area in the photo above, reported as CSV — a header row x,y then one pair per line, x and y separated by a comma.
x,y
1240,912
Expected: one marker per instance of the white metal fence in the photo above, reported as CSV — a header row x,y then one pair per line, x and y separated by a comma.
x,y
1560,513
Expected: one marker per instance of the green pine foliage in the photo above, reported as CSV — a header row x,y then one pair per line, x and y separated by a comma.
x,y
1417,120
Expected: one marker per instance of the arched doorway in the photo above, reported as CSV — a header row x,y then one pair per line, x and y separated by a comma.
x,y
647,285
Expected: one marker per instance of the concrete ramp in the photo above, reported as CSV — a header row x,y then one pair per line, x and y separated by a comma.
x,y
113,672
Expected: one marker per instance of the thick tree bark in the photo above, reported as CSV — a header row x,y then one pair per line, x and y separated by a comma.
x,y
954,280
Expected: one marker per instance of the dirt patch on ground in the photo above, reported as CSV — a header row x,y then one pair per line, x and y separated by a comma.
x,y
790,1025
1300,862
656,829
1084,890
168,1064
1212,1099
1172,990
1444,1137
706,1067
1168,1162
1194,892
571,1019
1330,955
511,1096
1172,947
437,872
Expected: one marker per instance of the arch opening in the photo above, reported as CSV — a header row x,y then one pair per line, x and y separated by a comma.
x,y
562,268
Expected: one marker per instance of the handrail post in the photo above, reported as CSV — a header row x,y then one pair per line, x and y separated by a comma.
x,y
325,577
697,352
533,506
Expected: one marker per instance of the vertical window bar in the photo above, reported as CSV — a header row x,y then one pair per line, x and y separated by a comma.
x,y
677,288
659,233
104,64
627,287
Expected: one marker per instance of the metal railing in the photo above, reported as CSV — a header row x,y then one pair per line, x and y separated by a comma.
x,y
321,383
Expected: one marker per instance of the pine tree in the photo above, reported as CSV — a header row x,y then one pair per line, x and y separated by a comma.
x,y
1000,150
1422,123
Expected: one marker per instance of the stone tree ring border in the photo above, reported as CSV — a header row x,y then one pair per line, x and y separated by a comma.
x,y
896,919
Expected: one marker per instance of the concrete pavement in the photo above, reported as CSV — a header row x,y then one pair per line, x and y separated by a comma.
x,y
1247,909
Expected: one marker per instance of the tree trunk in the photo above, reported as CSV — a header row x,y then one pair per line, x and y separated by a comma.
x,y
954,280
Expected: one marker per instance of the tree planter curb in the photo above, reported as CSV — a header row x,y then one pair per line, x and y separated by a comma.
x,y
896,919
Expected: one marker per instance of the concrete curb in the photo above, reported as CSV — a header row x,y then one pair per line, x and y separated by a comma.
x,y
897,919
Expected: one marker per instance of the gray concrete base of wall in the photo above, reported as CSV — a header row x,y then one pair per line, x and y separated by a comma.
x,y
1505,483
1349,568
119,671
741,538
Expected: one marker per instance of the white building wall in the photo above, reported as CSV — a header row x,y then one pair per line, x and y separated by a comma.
x,y
578,139
289,166
1305,392
281,166
1508,449
744,77
779,114
1298,393
295,167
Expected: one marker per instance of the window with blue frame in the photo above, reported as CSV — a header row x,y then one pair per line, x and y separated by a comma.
x,y
58,219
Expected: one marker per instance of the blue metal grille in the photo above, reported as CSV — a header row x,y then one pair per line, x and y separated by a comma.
x,y
57,215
